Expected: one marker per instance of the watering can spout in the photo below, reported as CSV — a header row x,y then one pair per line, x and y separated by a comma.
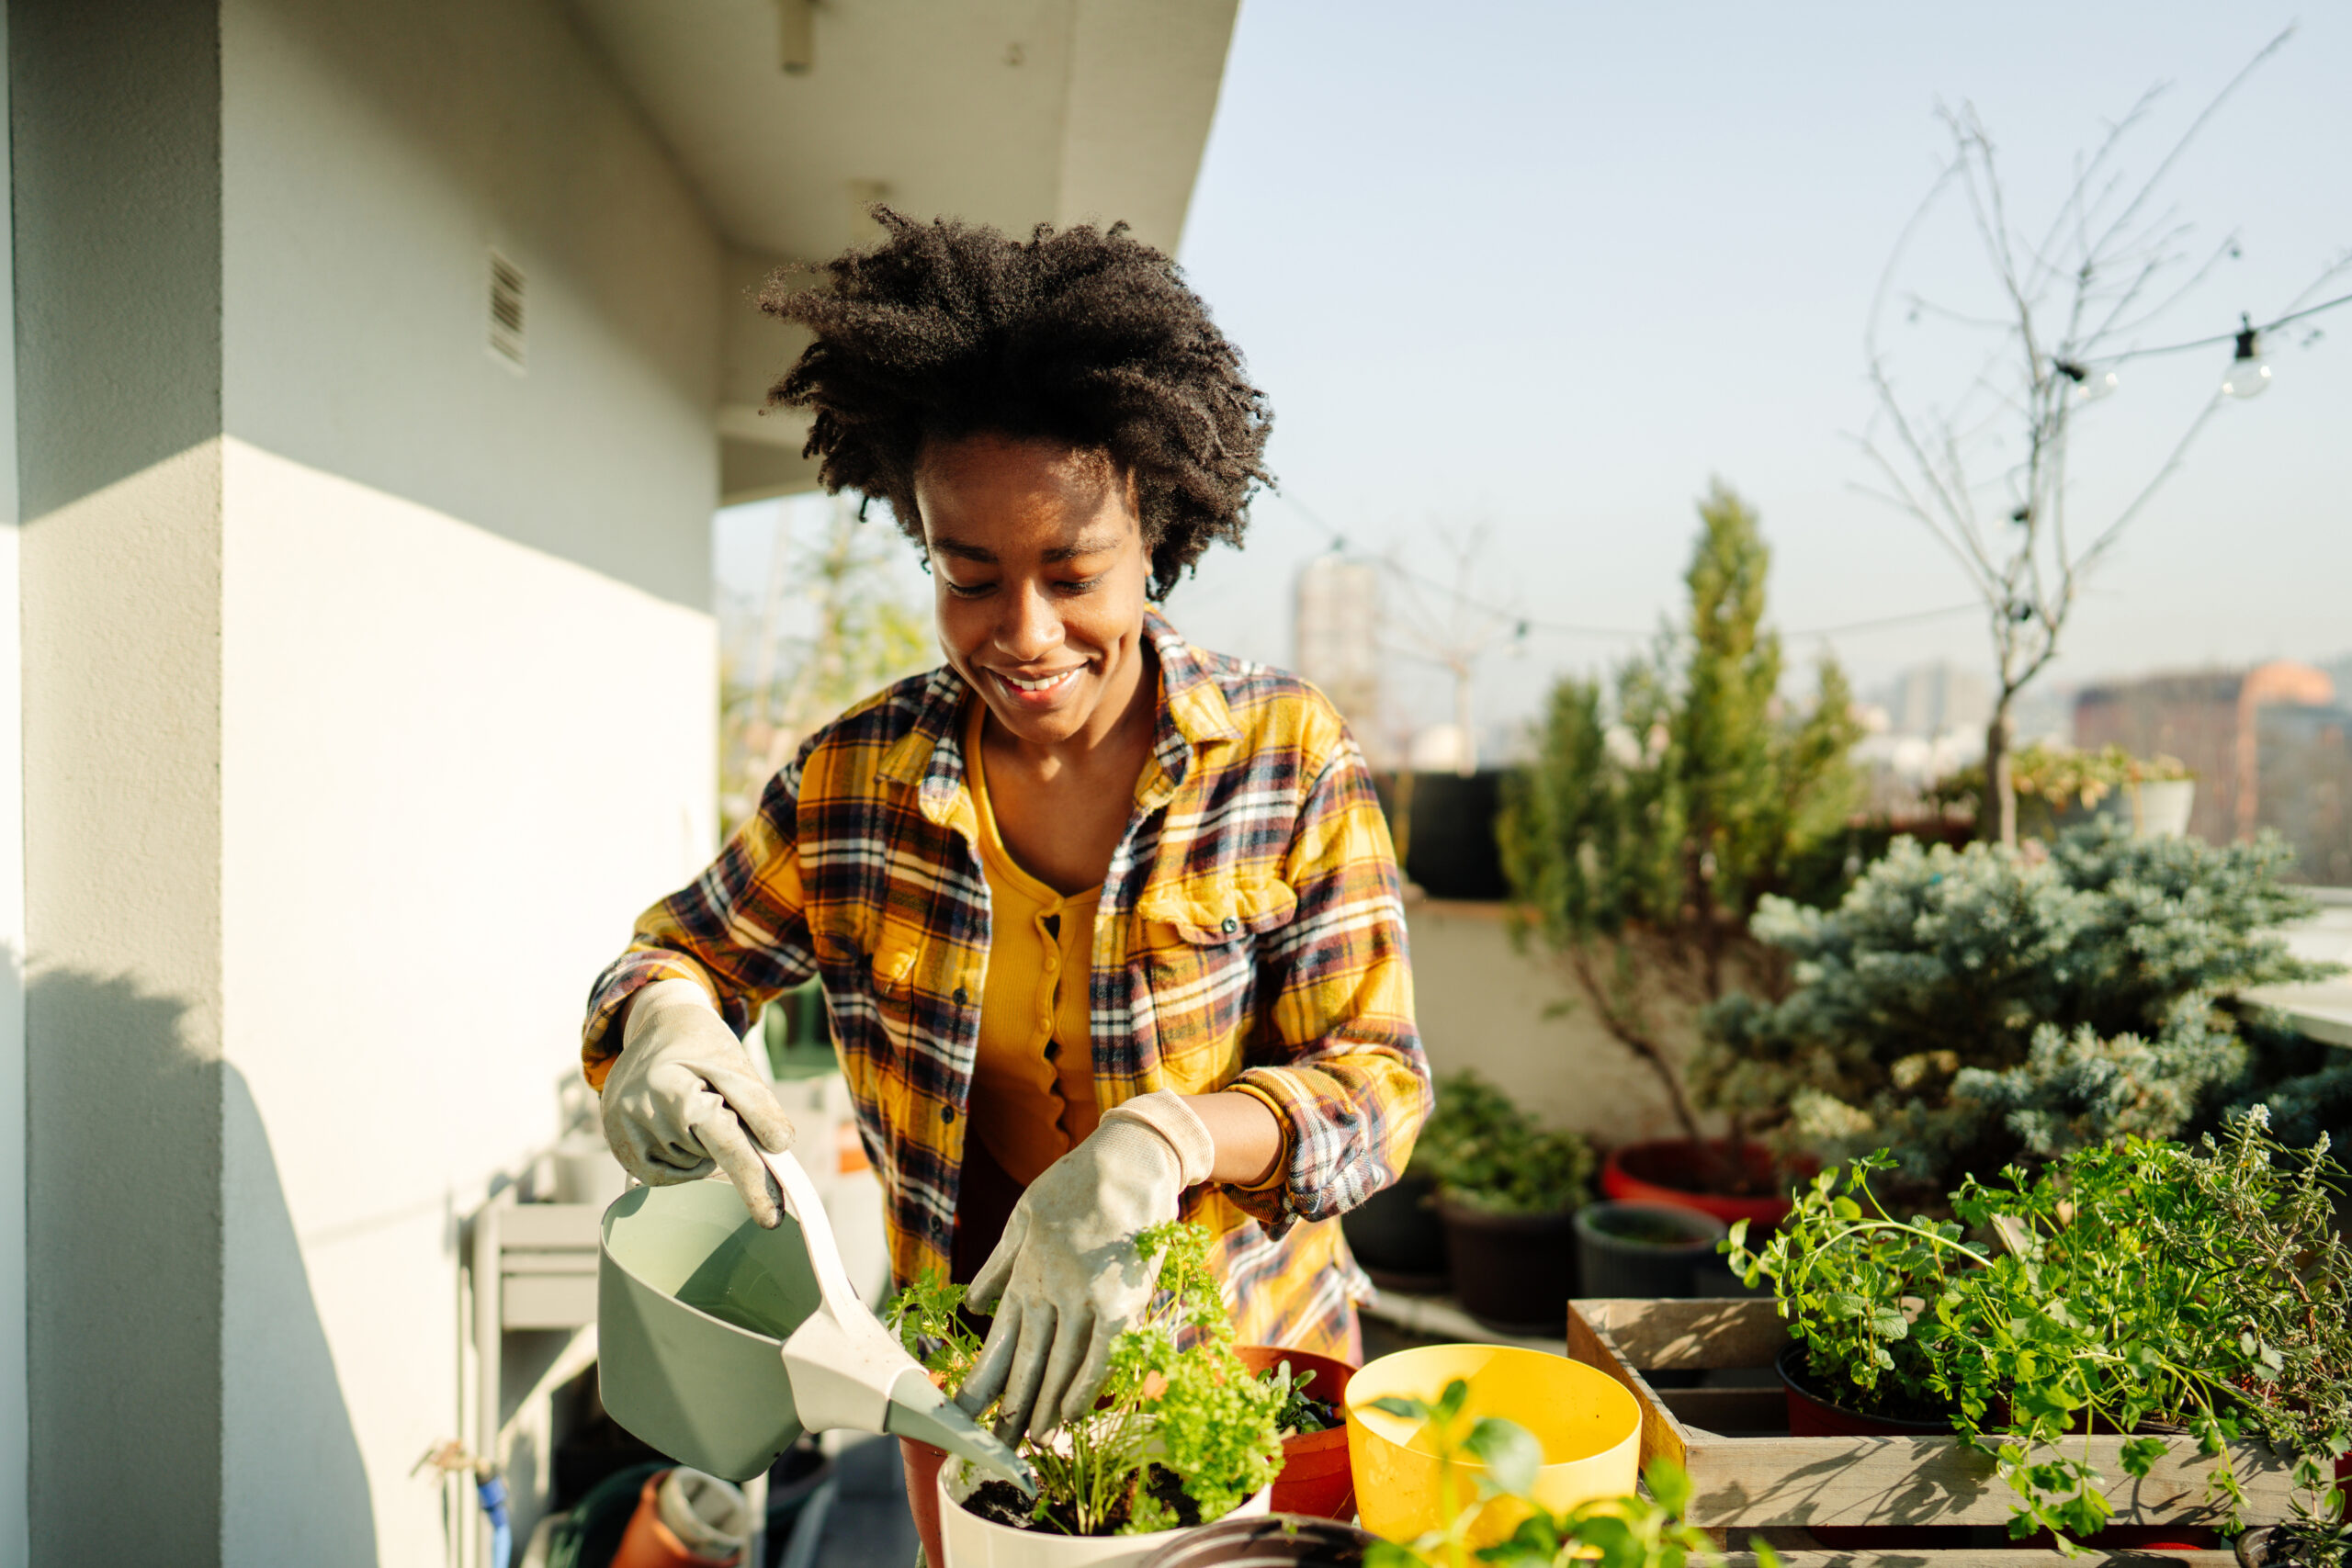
x,y
929,1416
848,1372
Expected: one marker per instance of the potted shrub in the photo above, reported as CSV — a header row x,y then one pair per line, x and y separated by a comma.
x,y
1643,1250
2059,787
2138,1287
1508,1191
1661,806
1182,1436
1313,1478
1968,1008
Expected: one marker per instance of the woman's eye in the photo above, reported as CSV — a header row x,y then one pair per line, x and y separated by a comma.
x,y
1087,586
967,589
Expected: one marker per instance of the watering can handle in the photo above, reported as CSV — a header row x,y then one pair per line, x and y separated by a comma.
x,y
816,1230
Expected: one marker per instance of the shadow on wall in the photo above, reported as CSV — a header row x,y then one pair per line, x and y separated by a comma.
x,y
169,1409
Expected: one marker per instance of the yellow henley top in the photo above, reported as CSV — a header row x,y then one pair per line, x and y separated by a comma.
x,y
1032,1079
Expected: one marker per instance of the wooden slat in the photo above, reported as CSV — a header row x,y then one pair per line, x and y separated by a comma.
x,y
1783,1481
1663,1436
1936,1481
1988,1556
1727,1410
1657,1336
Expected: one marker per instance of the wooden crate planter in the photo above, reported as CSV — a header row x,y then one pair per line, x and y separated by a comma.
x,y
1747,1471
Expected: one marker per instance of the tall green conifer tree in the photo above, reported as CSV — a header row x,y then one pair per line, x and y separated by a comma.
x,y
1664,802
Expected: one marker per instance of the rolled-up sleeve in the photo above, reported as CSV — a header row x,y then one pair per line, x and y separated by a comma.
x,y
739,931
1338,1059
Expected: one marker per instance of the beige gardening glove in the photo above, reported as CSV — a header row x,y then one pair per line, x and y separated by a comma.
x,y
1066,1278
682,1100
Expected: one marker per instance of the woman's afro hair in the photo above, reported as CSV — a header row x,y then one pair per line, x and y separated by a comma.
x,y
1086,337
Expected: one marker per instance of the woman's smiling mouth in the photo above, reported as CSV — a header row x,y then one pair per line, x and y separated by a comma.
x,y
1038,685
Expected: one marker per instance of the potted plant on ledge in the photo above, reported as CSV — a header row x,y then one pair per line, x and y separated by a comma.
x,y
1508,1191
2137,1288
1184,1435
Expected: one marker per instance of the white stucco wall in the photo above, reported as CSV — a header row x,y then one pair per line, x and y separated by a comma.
x,y
15,1522
1482,1003
469,673
432,841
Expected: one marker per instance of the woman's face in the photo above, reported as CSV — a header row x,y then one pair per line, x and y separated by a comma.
x,y
1039,571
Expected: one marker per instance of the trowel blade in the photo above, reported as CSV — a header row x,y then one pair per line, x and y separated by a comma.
x,y
920,1411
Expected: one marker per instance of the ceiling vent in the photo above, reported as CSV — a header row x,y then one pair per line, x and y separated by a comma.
x,y
507,309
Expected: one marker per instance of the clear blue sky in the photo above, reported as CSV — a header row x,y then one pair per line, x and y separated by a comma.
x,y
1550,266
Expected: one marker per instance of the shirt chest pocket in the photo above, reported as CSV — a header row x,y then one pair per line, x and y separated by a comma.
x,y
1200,944
899,981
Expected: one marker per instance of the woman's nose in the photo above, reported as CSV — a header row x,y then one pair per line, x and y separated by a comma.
x,y
1031,626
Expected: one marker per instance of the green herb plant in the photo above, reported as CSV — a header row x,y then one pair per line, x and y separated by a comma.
x,y
1301,1411
1176,1396
2123,1286
927,1317
1617,1532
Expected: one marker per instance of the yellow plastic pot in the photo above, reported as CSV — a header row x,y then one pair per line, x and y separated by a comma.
x,y
1589,1427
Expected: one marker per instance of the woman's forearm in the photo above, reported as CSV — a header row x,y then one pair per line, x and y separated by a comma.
x,y
1247,1133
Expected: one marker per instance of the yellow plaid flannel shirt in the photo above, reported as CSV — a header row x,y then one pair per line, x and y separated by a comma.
x,y
1250,936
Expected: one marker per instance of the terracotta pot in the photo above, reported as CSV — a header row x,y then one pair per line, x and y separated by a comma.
x,y
1314,1477
1278,1541
1670,1170
649,1543
1512,1272
921,1462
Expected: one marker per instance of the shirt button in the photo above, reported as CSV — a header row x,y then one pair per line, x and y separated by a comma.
x,y
960,998
947,1113
1231,925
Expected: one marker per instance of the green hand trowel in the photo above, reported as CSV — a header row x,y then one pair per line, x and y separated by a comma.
x,y
719,1343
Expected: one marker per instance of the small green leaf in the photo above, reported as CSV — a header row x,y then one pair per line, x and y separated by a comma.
x,y
1671,1485
1510,1452
1409,1409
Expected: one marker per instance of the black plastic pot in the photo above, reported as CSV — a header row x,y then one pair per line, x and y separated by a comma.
x,y
1512,1272
1270,1540
1395,1233
1444,828
1643,1251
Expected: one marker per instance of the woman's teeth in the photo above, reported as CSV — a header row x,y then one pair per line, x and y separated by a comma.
x,y
1044,683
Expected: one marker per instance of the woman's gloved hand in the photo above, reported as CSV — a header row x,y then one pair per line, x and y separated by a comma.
x,y
683,1098
1066,1280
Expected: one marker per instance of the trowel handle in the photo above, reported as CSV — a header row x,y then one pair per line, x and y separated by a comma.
x,y
816,1231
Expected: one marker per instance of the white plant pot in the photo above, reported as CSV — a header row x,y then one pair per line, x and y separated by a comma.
x,y
968,1541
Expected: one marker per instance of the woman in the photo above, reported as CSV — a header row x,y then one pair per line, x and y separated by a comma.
x,y
1108,927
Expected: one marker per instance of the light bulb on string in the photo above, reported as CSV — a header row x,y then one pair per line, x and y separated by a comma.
x,y
2249,372
2087,386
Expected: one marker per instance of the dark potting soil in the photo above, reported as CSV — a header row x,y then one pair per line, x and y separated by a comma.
x,y
1646,1230
1001,1502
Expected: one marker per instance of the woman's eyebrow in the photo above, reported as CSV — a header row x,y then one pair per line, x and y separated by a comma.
x,y
1086,544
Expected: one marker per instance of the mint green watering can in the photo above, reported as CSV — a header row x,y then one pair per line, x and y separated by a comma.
x,y
719,1343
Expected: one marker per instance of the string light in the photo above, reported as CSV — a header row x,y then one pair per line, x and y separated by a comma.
x,y
1525,625
2249,372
